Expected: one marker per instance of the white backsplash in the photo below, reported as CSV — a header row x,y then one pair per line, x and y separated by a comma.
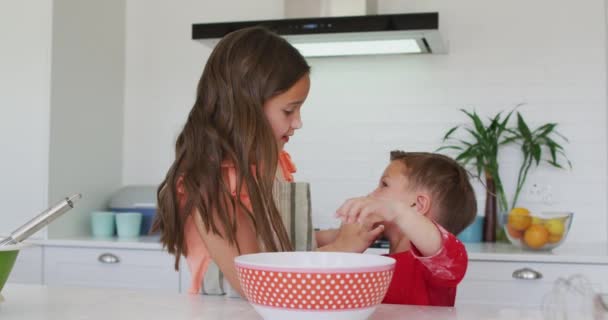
x,y
550,55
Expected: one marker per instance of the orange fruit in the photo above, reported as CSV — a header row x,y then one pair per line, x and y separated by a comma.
x,y
536,236
554,238
515,234
520,210
519,219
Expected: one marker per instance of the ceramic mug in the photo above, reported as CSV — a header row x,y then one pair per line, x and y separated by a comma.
x,y
128,224
472,233
102,223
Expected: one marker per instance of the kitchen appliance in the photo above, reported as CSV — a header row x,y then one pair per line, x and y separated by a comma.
x,y
363,34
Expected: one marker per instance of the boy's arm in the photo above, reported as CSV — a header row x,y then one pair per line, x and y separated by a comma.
x,y
420,230
448,265
443,255
439,251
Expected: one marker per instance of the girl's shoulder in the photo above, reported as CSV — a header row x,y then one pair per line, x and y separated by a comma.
x,y
229,173
288,168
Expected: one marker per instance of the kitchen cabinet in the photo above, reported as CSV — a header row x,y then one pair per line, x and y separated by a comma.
x,y
110,267
137,264
502,273
28,266
522,283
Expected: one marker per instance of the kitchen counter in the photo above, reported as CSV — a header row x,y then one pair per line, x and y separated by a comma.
x,y
29,302
588,253
145,242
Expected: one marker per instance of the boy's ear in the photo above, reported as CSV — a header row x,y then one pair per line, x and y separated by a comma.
x,y
423,203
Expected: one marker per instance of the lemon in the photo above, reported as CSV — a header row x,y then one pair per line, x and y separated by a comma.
x,y
555,227
537,220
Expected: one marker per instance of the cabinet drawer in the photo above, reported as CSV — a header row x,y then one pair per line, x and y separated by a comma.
x,y
107,267
490,282
28,266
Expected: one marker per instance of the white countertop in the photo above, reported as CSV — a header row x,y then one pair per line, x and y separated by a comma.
x,y
567,253
29,302
144,243
594,253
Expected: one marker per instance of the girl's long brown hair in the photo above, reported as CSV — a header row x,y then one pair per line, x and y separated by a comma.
x,y
227,123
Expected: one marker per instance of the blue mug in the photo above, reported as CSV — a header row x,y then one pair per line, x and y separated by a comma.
x,y
473,233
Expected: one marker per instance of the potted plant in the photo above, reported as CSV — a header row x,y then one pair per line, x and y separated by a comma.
x,y
532,143
481,151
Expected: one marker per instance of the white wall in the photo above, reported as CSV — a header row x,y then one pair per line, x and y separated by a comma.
x,y
548,54
25,51
162,70
86,108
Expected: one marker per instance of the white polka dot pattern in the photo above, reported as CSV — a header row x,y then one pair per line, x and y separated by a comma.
x,y
314,291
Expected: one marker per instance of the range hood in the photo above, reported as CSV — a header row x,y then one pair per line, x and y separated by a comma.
x,y
408,33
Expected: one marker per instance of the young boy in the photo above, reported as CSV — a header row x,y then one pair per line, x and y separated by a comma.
x,y
423,200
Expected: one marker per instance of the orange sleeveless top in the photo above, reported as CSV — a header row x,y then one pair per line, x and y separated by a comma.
x,y
198,257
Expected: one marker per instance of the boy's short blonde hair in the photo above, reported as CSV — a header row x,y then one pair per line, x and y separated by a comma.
x,y
448,183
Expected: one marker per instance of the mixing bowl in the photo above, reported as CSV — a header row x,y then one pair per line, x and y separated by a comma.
x,y
314,285
8,255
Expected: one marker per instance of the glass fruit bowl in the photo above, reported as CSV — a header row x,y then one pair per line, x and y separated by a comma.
x,y
540,232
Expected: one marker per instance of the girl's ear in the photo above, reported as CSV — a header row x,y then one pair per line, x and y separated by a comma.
x,y
179,184
423,203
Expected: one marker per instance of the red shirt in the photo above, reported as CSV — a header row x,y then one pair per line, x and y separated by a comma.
x,y
429,281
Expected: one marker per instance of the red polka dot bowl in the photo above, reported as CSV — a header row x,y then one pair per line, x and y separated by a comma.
x,y
314,285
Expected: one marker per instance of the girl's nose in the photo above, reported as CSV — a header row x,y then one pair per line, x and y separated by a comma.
x,y
297,121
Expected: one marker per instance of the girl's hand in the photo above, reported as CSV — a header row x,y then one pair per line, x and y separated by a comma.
x,y
363,208
356,237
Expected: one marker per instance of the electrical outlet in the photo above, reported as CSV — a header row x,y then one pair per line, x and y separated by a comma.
x,y
540,193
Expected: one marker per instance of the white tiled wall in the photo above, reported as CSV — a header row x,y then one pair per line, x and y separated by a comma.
x,y
550,55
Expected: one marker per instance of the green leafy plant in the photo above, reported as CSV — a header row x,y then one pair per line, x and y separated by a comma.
x,y
532,144
481,151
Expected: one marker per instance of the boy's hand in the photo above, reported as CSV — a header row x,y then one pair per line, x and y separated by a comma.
x,y
356,237
363,208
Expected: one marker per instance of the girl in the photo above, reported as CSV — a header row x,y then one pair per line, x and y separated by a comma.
x,y
216,202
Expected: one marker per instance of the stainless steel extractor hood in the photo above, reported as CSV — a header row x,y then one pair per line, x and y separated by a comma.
x,y
408,33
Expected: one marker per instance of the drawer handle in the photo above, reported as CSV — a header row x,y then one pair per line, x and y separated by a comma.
x,y
108,258
527,274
